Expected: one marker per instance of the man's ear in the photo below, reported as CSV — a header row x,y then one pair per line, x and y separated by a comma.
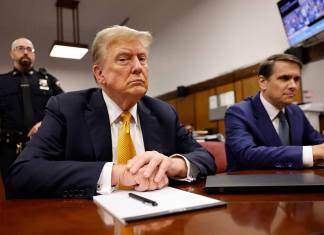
x,y
262,82
11,54
97,72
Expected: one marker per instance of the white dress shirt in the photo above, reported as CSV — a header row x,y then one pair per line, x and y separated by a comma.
x,y
114,111
273,112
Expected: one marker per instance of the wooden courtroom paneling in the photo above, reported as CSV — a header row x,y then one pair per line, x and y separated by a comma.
x,y
238,90
225,88
201,110
221,127
298,97
250,86
185,109
172,102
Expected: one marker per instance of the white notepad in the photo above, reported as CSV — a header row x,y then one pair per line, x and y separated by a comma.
x,y
170,200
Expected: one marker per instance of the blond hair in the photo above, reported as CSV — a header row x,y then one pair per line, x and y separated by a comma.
x,y
110,35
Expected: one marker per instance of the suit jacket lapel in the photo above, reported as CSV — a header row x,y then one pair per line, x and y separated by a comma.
x,y
149,125
97,119
263,122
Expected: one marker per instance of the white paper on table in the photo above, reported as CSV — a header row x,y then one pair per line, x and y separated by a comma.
x,y
170,200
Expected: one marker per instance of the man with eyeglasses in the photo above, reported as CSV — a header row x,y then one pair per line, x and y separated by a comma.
x,y
24,93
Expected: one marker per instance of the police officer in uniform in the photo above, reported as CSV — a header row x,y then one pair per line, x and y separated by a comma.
x,y
24,93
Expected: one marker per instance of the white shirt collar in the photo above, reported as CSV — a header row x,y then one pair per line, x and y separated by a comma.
x,y
114,110
271,110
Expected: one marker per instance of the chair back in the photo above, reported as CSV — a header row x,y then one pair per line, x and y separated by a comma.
x,y
217,149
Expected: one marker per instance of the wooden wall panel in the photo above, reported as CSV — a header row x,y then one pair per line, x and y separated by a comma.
x,y
250,86
185,109
221,127
172,102
299,97
201,110
224,88
238,90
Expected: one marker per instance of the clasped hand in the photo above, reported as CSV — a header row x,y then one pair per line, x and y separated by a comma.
x,y
140,182
150,171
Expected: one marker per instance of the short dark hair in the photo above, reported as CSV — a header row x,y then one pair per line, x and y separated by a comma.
x,y
266,67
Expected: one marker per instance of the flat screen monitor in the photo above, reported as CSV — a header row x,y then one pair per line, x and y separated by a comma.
x,y
302,19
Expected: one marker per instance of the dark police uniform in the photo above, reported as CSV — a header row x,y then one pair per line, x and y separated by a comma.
x,y
13,132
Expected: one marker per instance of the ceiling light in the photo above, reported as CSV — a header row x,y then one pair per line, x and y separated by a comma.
x,y
68,50
60,48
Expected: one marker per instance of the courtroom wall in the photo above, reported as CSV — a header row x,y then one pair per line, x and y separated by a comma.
x,y
193,40
215,38
313,82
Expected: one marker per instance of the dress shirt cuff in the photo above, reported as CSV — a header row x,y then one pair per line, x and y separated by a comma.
x,y
104,182
308,160
189,177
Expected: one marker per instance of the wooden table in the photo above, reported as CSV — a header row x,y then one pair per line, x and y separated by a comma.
x,y
291,213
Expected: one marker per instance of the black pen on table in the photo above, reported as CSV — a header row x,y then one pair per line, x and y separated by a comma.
x,y
142,199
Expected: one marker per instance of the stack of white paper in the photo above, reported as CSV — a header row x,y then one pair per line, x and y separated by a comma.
x,y
170,201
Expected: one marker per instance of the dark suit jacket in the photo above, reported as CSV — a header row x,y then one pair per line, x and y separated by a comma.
x,y
66,156
252,142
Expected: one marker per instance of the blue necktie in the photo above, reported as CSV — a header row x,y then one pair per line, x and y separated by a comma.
x,y
283,128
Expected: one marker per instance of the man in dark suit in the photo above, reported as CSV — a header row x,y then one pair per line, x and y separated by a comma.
x,y
267,130
75,153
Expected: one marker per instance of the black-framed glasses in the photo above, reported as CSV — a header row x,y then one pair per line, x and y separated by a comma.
x,y
22,49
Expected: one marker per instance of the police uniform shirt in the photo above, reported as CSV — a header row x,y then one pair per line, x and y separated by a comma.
x,y
42,87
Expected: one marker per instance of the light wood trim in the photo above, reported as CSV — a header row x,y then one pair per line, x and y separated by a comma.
x,y
185,109
202,110
224,88
250,86
221,127
238,91
172,102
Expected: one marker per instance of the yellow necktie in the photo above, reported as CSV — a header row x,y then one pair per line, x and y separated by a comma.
x,y
125,146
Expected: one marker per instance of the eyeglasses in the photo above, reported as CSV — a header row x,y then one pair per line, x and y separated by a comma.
x,y
22,49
